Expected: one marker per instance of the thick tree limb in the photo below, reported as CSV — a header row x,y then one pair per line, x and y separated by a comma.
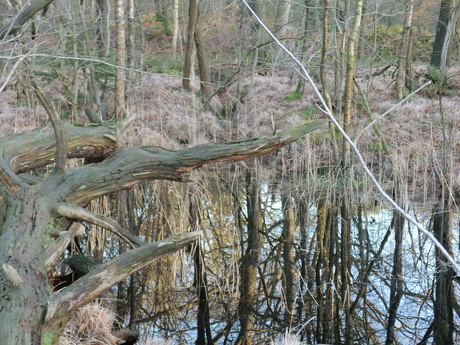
x,y
102,278
23,17
31,150
129,166
77,213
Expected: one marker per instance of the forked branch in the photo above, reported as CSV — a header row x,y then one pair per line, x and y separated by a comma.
x,y
62,304
80,214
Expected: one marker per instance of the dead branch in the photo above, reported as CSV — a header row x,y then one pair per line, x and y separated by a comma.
x,y
129,166
80,214
59,132
61,305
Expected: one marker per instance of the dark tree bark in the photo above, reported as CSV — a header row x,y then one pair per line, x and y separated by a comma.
x,y
443,324
204,334
397,281
345,269
33,210
250,262
444,30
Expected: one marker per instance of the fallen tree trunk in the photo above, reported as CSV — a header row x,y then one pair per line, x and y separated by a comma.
x,y
39,216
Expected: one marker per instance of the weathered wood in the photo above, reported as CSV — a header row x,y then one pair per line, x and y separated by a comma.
x,y
33,212
23,17
92,285
84,215
31,150
130,166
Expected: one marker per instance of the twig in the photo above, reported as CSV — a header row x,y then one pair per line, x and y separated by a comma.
x,y
372,118
328,112
404,100
13,69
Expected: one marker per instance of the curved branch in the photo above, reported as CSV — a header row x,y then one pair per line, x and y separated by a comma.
x,y
81,214
23,17
59,132
9,180
102,278
129,166
31,150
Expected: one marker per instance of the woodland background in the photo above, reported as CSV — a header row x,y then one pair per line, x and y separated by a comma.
x,y
298,240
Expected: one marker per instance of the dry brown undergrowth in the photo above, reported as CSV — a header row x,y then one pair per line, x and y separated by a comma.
x,y
167,116
93,325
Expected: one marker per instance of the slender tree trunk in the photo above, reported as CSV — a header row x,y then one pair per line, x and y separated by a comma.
x,y
349,81
192,23
250,262
122,206
333,318
204,334
404,50
201,52
283,12
443,325
319,259
339,15
345,272
289,269
131,46
305,52
120,96
325,47
175,27
397,280
323,76
103,29
124,56
302,256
